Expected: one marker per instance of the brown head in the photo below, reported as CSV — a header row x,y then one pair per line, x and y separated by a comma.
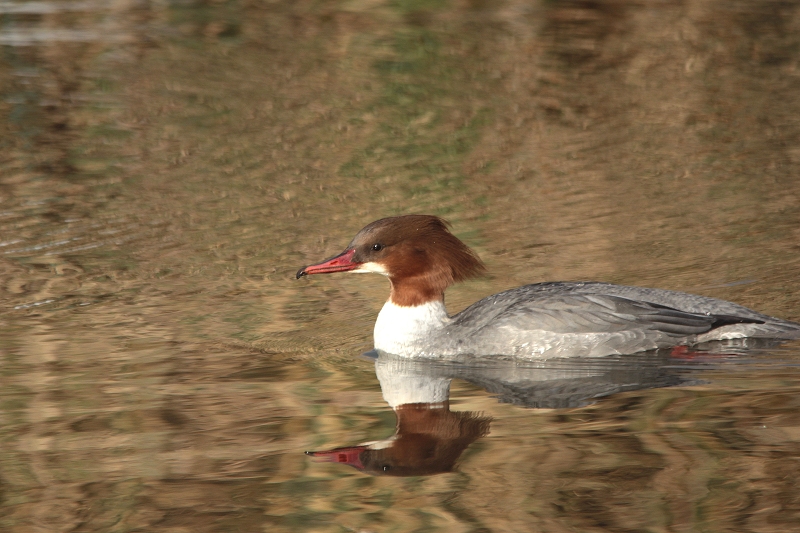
x,y
417,253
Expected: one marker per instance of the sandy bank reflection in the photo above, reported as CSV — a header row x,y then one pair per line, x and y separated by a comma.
x,y
429,437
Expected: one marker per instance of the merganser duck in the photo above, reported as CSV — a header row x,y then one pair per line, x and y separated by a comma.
x,y
422,258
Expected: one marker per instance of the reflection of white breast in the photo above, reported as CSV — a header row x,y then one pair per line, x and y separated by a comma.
x,y
401,384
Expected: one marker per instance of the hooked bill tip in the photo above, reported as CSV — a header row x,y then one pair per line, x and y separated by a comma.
x,y
301,273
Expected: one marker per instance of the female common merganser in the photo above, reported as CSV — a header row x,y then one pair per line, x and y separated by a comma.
x,y
422,258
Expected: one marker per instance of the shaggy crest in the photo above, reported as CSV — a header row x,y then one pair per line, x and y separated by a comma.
x,y
426,258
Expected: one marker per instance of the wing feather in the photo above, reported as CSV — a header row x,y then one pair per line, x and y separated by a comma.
x,y
590,313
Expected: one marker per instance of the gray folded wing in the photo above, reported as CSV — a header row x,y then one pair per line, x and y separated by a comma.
x,y
574,312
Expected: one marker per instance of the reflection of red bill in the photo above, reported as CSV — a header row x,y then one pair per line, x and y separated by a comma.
x,y
349,456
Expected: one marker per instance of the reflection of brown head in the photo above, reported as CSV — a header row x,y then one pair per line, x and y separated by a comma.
x,y
429,439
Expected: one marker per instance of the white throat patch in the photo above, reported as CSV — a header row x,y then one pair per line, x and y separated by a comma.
x,y
371,267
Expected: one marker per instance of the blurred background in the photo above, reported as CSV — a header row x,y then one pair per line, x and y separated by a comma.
x,y
166,166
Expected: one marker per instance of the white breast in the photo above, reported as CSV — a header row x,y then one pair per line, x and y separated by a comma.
x,y
402,330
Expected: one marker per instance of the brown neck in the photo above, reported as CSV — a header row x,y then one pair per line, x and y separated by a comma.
x,y
408,292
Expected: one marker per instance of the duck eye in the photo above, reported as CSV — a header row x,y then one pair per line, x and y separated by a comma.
x,y
377,247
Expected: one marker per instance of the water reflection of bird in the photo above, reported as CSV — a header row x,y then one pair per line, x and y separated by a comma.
x,y
429,437
422,258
